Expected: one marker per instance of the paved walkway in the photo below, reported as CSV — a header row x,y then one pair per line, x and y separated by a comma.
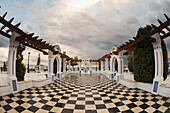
x,y
84,94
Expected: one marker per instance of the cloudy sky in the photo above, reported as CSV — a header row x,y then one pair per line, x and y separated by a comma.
x,y
83,28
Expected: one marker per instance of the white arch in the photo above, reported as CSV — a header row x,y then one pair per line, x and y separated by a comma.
x,y
112,62
58,58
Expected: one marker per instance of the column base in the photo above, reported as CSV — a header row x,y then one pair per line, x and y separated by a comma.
x,y
121,76
59,75
156,84
49,75
118,78
90,72
13,82
112,76
52,78
64,73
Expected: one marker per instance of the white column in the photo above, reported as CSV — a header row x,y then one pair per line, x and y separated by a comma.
x,y
69,63
90,67
85,67
50,65
111,68
120,66
11,78
106,64
64,65
80,67
59,75
111,65
158,55
101,65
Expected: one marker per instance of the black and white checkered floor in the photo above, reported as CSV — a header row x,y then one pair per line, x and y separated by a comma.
x,y
84,94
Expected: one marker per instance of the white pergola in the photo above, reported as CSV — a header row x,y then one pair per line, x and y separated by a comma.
x,y
155,37
18,36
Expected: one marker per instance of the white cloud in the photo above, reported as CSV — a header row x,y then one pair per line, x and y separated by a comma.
x,y
89,28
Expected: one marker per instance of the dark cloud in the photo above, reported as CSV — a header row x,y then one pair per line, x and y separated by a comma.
x,y
91,31
4,42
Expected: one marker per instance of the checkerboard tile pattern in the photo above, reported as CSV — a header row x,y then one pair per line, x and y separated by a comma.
x,y
84,94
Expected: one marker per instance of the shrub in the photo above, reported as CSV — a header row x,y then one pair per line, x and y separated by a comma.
x,y
20,68
130,62
144,62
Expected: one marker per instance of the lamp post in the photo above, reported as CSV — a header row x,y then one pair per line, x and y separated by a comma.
x,y
28,62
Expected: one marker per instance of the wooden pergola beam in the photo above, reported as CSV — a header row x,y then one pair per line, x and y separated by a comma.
x,y
165,36
10,30
166,17
129,51
26,39
44,52
4,15
147,36
27,44
22,38
5,34
10,26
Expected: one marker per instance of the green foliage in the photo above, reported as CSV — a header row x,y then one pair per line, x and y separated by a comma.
x,y
55,66
165,59
20,68
116,65
130,62
144,63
